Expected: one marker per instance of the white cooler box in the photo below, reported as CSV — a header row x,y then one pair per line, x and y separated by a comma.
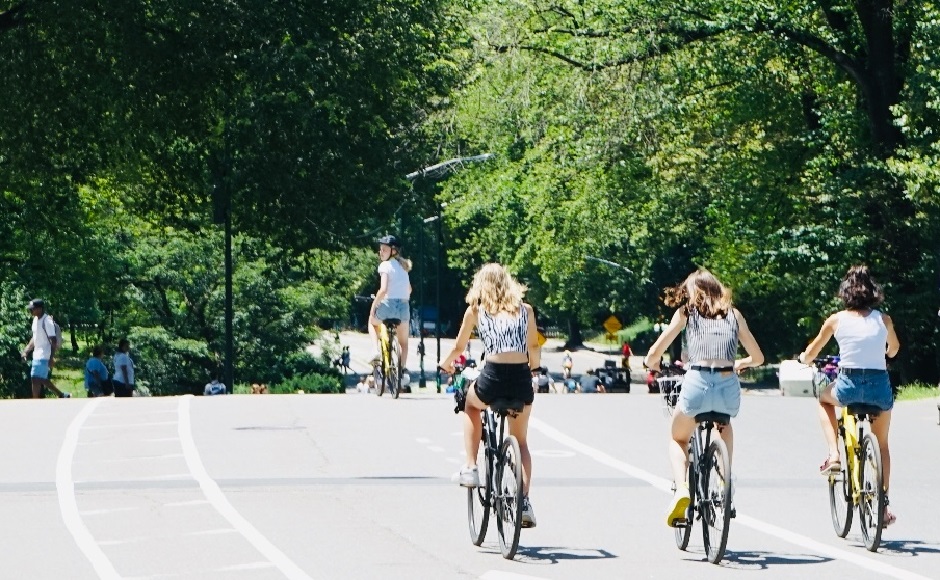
x,y
796,379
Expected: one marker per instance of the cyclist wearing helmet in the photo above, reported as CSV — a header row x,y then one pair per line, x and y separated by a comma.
x,y
391,300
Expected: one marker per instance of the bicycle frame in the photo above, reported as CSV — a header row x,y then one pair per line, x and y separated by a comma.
x,y
852,433
387,334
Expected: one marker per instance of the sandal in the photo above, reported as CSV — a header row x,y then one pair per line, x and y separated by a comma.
x,y
830,466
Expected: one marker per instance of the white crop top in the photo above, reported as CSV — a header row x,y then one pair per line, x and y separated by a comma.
x,y
863,340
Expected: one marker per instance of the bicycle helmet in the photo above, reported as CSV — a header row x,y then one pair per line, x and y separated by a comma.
x,y
390,241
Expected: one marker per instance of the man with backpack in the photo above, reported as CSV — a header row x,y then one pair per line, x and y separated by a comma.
x,y
43,345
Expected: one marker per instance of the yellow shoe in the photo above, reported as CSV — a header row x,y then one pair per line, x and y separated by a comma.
x,y
679,506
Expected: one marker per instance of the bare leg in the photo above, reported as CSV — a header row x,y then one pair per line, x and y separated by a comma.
x,y
727,435
879,427
827,420
472,426
37,387
682,427
519,428
402,332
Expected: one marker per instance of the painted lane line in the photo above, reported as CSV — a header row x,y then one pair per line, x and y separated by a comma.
x,y
107,511
498,575
68,504
127,425
214,494
212,532
436,449
186,503
665,485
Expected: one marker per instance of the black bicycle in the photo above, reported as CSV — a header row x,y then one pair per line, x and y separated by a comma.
x,y
500,490
709,476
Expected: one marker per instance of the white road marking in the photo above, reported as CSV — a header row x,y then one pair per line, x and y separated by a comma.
x,y
215,496
68,505
141,458
422,440
186,503
436,449
212,532
127,425
107,511
497,575
663,484
248,566
553,453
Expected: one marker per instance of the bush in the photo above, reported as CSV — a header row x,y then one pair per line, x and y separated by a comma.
x,y
312,383
169,365
14,334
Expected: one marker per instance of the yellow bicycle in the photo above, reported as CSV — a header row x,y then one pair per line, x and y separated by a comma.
x,y
859,483
387,371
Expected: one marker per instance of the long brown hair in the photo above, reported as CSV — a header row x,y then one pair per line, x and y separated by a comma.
x,y
703,292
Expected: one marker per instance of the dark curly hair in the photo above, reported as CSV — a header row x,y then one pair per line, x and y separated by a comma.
x,y
859,290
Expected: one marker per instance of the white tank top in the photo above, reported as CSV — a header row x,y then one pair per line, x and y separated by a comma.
x,y
862,340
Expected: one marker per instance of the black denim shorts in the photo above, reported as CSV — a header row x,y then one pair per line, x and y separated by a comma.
x,y
505,381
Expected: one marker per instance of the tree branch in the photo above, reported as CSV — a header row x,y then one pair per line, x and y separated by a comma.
x,y
12,17
818,45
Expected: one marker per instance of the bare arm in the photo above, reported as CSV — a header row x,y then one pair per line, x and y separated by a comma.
x,y
379,296
817,344
755,356
655,354
532,333
894,345
28,349
463,338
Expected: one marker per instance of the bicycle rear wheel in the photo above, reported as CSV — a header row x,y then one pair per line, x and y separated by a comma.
x,y
394,370
715,506
871,500
509,497
685,532
478,501
840,492
379,378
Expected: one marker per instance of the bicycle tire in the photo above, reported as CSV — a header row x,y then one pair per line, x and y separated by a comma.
x,y
379,379
509,497
684,533
394,368
840,492
715,505
871,497
479,500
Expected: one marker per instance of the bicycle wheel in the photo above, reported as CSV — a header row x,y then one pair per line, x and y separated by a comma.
x,y
871,500
394,369
509,497
478,501
840,493
685,532
715,506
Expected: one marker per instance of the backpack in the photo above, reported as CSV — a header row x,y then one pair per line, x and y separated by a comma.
x,y
57,334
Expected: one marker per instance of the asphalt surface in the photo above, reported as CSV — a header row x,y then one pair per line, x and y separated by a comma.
x,y
356,486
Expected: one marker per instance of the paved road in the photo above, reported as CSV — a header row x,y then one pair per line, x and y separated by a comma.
x,y
356,486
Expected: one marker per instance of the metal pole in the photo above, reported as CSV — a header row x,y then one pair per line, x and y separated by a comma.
x,y
229,308
440,251
421,382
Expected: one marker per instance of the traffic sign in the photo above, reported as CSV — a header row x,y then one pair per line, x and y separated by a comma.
x,y
611,336
541,337
612,325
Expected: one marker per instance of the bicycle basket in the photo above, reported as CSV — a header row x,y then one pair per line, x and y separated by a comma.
x,y
669,388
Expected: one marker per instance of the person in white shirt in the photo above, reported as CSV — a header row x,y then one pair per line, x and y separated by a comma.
x,y
391,300
42,346
123,370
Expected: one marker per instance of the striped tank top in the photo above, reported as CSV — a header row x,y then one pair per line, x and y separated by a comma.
x,y
504,332
712,338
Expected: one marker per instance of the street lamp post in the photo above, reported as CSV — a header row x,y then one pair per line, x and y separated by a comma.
x,y
436,172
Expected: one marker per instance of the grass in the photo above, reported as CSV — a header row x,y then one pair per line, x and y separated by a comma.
x,y
917,391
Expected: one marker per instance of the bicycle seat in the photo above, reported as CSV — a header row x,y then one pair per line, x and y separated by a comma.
x,y
720,418
860,410
504,406
392,321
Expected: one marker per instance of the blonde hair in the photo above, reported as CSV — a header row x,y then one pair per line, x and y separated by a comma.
x,y
495,290
405,263
703,292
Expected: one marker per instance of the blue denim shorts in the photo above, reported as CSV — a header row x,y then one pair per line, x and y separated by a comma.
x,y
865,386
393,308
39,369
704,391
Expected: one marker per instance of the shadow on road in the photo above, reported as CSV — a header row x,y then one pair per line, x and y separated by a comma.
x,y
908,548
765,560
554,555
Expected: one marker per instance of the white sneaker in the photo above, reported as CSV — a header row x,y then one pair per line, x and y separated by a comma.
x,y
405,379
528,514
469,477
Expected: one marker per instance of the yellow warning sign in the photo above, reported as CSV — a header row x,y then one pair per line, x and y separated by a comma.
x,y
541,338
612,325
611,337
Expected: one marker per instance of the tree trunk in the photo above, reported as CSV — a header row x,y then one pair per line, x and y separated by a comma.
x,y
575,339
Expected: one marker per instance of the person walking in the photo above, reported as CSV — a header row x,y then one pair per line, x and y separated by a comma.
x,y
42,346
123,370
506,325
713,329
865,336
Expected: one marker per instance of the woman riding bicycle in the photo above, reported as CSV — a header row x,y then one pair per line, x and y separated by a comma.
x,y
865,335
506,325
391,300
713,329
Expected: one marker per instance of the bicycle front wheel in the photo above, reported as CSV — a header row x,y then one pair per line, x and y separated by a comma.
x,y
715,506
871,500
685,532
478,502
509,497
840,492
